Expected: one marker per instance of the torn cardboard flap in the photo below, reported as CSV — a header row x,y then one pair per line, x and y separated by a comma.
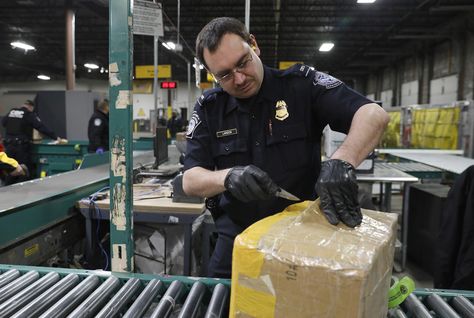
x,y
296,262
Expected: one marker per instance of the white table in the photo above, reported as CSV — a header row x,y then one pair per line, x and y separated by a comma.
x,y
451,163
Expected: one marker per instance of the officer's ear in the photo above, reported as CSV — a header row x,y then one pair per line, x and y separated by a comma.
x,y
253,44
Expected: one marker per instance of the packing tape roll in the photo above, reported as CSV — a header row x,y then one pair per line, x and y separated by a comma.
x,y
399,290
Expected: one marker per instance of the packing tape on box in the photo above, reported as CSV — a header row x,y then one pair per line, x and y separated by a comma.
x,y
399,290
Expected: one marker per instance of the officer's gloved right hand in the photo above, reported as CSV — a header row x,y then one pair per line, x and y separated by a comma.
x,y
99,150
249,183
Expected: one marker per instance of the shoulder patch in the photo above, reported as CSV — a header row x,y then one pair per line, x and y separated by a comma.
x,y
326,80
208,95
193,123
298,70
97,122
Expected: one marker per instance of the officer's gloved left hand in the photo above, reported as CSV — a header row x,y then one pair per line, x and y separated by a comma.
x,y
250,183
337,189
99,150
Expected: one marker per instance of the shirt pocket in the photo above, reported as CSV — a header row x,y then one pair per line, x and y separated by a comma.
x,y
231,152
289,143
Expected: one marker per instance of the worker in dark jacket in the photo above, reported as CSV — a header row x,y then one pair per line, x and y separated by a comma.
x,y
19,124
98,130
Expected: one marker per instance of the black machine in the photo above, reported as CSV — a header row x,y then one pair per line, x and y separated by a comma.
x,y
160,146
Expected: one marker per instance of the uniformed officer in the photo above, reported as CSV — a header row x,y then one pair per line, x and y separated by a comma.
x,y
261,131
19,124
98,129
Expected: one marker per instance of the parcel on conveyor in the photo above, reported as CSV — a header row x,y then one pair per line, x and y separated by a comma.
x,y
296,264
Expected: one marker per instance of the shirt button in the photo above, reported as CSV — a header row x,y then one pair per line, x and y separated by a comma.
x,y
226,148
285,137
252,116
257,143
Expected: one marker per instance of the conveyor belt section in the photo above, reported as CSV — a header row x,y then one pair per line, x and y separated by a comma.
x,y
429,303
52,292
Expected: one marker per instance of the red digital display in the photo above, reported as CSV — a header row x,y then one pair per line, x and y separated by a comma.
x,y
169,85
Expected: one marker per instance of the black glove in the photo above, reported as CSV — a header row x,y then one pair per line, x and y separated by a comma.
x,y
250,183
337,189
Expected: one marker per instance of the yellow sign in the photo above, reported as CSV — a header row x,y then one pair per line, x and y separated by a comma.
x,y
147,71
141,113
210,77
283,65
142,87
31,250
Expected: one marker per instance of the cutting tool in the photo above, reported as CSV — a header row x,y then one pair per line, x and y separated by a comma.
x,y
282,193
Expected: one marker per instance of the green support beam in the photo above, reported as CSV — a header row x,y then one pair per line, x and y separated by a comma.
x,y
121,105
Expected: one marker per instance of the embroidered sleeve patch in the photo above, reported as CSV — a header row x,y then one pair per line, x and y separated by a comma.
x,y
193,123
326,80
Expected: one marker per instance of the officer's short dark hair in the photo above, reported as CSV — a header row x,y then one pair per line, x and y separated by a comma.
x,y
212,33
29,103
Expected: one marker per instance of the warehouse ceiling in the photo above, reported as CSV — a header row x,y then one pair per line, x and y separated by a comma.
x,y
367,37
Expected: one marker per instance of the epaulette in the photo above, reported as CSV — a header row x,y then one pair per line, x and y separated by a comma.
x,y
298,70
209,95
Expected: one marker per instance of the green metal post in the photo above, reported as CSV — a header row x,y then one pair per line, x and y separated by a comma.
x,y
120,94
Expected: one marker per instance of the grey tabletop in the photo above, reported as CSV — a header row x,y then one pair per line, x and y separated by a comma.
x,y
26,193
451,163
384,173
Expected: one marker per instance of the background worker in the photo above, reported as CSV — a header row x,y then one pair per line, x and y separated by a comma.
x,y
175,124
261,130
19,123
98,129
10,168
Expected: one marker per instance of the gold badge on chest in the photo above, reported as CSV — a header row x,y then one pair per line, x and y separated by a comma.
x,y
281,110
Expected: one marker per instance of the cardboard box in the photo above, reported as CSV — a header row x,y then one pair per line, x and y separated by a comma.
x,y
296,264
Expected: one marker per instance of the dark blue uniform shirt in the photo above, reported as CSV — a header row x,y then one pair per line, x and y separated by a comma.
x,y
278,130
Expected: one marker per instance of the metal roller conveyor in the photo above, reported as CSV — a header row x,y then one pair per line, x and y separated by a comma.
x,y
7,277
463,306
193,301
17,285
218,301
55,292
27,294
168,301
49,297
58,292
439,306
144,299
91,305
120,300
72,299
414,306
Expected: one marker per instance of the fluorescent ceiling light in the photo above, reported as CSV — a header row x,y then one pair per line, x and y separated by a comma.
x,y
165,45
22,45
169,45
43,77
91,66
366,1
326,47
200,66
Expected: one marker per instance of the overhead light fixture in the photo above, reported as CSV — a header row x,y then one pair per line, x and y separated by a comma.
x,y
91,66
326,47
102,69
43,77
200,66
22,45
169,45
366,1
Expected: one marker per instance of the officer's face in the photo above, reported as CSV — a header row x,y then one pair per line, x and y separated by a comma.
x,y
236,66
